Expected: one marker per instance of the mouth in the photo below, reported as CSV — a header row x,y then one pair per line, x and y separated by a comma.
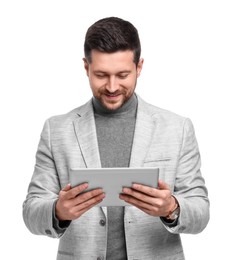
x,y
112,95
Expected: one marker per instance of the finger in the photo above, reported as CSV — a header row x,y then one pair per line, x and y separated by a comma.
x,y
163,186
92,202
143,205
87,196
141,196
73,192
85,206
81,212
67,187
150,191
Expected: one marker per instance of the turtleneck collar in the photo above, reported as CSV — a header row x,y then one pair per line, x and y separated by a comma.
x,y
128,108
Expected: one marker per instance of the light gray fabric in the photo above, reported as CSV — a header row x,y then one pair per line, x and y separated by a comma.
x,y
161,139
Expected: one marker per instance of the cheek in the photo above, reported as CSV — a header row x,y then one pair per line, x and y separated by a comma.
x,y
130,85
95,84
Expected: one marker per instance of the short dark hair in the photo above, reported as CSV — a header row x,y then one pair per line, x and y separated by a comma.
x,y
112,34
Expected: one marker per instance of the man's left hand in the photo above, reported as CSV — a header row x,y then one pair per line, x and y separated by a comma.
x,y
155,202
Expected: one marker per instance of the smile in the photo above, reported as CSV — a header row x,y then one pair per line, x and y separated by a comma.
x,y
113,95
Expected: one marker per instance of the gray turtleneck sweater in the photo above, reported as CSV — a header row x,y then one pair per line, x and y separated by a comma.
x,y
115,132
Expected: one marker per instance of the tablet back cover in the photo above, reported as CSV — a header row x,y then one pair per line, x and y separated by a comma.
x,y
112,180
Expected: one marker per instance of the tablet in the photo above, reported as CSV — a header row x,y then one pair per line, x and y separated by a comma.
x,y
112,180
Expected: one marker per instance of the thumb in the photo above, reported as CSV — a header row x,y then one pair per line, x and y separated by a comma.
x,y
67,187
162,185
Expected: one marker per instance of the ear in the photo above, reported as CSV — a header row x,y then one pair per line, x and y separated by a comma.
x,y
86,66
139,67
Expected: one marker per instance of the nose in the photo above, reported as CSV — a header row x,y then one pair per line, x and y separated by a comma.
x,y
112,84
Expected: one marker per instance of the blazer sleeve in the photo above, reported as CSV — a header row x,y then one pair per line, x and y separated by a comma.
x,y
190,189
43,190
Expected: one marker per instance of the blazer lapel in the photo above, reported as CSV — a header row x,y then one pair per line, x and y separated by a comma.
x,y
86,136
144,129
85,129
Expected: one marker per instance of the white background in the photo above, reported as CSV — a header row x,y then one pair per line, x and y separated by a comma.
x,y
187,47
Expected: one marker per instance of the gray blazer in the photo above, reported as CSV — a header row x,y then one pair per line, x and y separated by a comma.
x,y
162,139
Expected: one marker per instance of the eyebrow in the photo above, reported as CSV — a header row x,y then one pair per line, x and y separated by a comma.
x,y
120,72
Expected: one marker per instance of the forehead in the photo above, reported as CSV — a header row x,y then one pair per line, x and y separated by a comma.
x,y
120,60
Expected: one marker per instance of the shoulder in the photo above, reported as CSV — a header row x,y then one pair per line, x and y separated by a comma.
x,y
63,120
167,123
160,114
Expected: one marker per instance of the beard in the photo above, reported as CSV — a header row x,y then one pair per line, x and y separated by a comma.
x,y
113,100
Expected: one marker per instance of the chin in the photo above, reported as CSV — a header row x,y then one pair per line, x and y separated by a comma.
x,y
113,105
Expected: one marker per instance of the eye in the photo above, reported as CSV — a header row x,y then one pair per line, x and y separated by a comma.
x,y
123,75
100,75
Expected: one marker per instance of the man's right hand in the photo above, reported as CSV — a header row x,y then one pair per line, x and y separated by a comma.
x,y
72,203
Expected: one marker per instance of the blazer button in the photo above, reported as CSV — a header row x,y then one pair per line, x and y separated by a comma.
x,y
48,232
102,222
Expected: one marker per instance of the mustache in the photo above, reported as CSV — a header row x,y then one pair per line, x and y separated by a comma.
x,y
115,93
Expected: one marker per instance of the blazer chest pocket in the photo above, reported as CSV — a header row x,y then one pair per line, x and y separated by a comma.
x,y
159,162
165,165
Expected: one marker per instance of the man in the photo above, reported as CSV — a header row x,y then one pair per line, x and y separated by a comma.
x,y
116,128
